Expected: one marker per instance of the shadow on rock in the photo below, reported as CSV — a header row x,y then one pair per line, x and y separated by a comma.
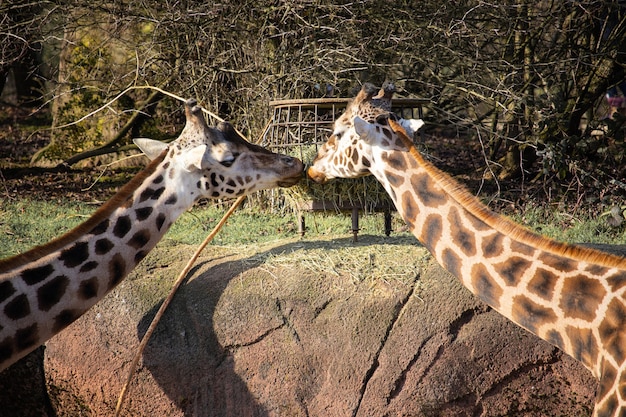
x,y
194,368
23,388
186,359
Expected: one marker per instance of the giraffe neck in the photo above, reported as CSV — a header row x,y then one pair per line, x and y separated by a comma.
x,y
45,289
559,292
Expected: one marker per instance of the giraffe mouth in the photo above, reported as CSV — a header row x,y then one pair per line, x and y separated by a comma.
x,y
289,182
289,171
298,173
316,176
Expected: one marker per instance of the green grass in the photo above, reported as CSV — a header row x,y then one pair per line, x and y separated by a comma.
x,y
571,228
27,223
248,226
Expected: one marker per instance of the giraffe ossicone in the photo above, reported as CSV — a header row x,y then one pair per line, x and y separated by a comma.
x,y
570,296
48,287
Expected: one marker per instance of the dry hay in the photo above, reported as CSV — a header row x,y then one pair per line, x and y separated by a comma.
x,y
366,193
372,260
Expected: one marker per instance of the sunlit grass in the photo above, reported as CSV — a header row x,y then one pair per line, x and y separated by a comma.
x,y
27,223
568,227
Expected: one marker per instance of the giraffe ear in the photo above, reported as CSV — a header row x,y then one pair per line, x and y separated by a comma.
x,y
192,158
150,147
362,128
411,125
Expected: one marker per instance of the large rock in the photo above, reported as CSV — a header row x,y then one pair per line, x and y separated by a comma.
x,y
243,338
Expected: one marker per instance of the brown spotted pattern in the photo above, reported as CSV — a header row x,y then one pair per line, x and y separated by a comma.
x,y
342,156
570,296
44,290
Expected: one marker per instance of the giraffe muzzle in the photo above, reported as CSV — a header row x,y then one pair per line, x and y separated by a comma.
x,y
316,175
294,171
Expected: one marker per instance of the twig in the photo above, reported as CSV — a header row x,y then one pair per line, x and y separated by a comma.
x,y
136,87
114,99
166,302
108,147
6,189
107,166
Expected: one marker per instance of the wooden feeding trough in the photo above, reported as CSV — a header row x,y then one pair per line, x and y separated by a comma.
x,y
299,127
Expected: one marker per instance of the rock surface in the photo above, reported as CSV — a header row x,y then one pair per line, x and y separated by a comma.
x,y
246,339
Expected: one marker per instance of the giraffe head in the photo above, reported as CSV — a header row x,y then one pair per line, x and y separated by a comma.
x,y
219,162
358,133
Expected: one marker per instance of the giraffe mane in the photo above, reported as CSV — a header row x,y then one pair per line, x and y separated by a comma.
x,y
103,212
502,224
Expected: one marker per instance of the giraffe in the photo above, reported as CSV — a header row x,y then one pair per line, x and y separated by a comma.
x,y
570,296
45,289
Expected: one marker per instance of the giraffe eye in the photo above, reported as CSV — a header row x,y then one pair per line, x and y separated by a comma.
x,y
230,160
